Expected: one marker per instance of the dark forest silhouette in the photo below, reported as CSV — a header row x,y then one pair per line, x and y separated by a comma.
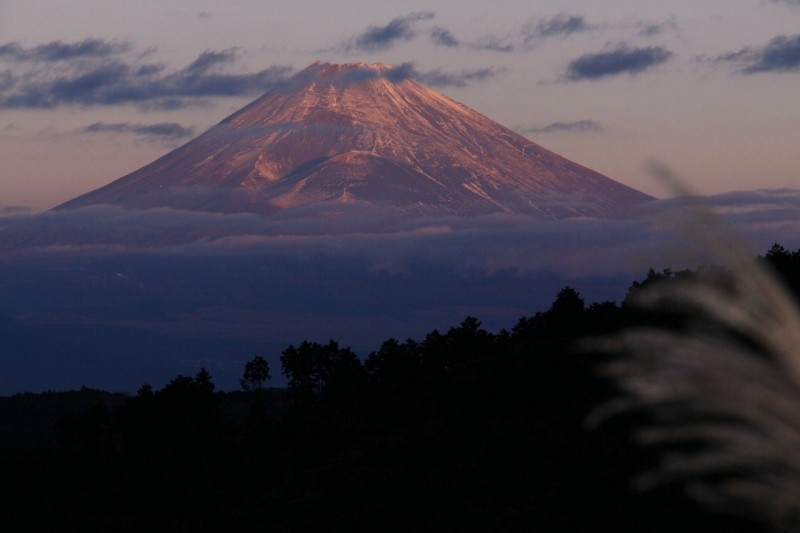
x,y
464,430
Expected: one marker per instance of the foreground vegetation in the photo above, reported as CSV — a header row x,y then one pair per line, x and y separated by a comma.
x,y
465,430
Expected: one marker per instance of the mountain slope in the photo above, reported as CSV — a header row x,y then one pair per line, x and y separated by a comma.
x,y
363,134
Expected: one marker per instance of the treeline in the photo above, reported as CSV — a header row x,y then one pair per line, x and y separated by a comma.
x,y
464,430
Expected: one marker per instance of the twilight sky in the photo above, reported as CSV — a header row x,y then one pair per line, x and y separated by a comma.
x,y
91,90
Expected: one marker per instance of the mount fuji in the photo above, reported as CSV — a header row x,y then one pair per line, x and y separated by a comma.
x,y
366,135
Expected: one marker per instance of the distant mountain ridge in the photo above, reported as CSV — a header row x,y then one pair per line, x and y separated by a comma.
x,y
365,134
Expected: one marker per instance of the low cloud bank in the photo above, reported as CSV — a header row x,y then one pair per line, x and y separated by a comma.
x,y
485,244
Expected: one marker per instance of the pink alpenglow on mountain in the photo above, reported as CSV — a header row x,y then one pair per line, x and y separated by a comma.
x,y
364,134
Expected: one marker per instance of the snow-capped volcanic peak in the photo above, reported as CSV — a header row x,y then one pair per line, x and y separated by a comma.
x,y
368,134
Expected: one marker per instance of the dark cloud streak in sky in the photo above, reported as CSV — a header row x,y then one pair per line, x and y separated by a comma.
x,y
561,25
440,78
443,37
164,130
99,75
492,43
583,126
377,38
781,54
622,60
653,29
435,77
61,51
209,59
13,51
